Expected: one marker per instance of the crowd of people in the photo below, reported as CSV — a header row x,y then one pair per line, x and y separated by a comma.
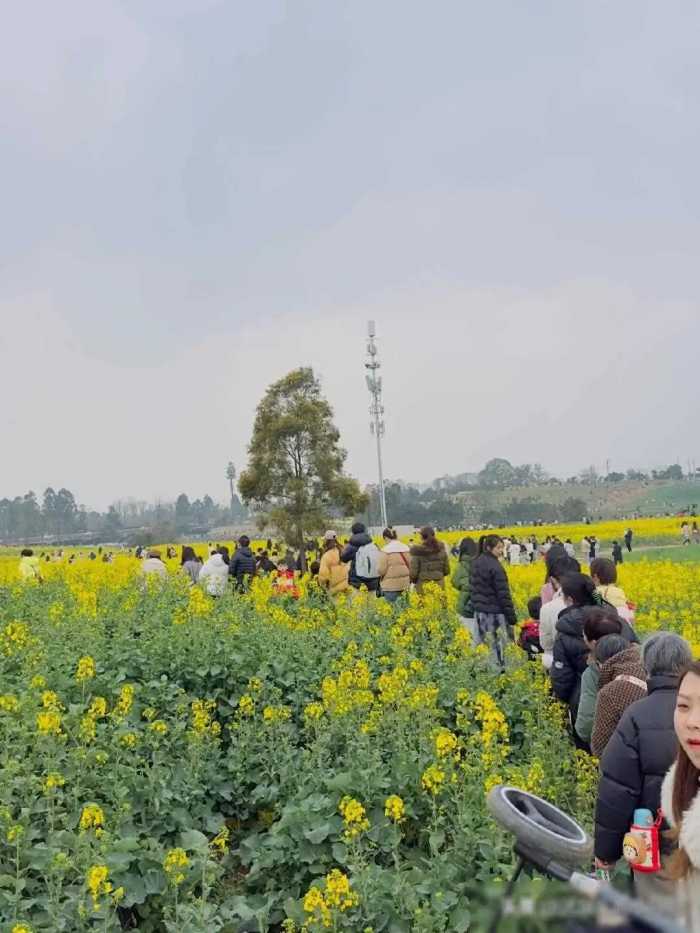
x,y
636,707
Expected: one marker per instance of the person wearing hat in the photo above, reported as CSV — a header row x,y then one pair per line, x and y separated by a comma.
x,y
333,574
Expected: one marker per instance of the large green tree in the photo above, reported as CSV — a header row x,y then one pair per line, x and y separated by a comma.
x,y
294,479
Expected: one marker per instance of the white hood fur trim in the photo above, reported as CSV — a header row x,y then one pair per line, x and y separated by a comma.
x,y
689,838
396,547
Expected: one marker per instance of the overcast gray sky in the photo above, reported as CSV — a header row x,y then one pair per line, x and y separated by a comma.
x,y
199,196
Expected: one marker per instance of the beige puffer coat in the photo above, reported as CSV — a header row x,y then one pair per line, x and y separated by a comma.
x,y
395,565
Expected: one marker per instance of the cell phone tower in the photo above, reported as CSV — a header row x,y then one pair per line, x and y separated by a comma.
x,y
376,410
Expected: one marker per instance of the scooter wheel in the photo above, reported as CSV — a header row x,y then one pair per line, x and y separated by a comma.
x,y
540,825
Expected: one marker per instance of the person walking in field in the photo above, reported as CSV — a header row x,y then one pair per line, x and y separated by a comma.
x,y
685,533
153,565
616,553
189,563
214,575
29,566
696,533
461,581
514,552
491,599
429,560
395,567
363,556
265,565
242,567
628,540
332,572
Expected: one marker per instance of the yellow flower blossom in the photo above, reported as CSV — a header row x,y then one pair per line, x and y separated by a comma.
x,y
53,780
273,714
313,711
97,884
86,669
8,703
175,864
394,808
48,723
220,841
354,817
246,705
92,818
432,779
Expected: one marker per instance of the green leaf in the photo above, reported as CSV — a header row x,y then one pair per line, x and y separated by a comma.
x,y
194,841
319,834
340,853
460,919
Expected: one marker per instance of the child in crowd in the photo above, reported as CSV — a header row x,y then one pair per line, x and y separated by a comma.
x,y
529,639
604,575
284,582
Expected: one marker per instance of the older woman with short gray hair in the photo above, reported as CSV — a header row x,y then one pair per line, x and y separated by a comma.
x,y
665,654
640,752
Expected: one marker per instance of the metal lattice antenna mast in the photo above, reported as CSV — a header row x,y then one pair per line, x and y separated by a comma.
x,y
376,410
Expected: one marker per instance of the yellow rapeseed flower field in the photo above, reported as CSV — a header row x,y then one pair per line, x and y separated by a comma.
x,y
259,761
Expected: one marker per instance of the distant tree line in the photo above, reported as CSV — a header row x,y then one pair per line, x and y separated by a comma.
x,y
406,505
440,505
499,473
58,516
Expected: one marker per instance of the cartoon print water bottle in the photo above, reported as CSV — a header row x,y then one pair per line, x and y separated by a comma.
x,y
640,846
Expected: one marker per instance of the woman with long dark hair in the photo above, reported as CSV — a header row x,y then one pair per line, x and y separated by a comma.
x,y
189,563
491,599
680,799
570,652
429,560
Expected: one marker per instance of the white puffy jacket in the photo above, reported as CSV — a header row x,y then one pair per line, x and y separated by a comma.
x,y
214,575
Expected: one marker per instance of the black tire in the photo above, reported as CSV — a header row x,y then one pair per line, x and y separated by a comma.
x,y
540,825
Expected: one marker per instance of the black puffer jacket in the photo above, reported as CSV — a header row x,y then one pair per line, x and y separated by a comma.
x,y
570,656
489,587
348,557
633,766
242,566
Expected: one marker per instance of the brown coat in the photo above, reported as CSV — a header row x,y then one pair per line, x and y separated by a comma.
x,y
622,682
428,565
395,567
332,574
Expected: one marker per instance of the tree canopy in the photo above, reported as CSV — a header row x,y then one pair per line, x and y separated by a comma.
x,y
294,478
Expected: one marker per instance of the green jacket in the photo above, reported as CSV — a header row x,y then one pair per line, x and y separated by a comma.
x,y
586,703
461,581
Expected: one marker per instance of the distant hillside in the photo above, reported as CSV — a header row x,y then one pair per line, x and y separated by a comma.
x,y
603,500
